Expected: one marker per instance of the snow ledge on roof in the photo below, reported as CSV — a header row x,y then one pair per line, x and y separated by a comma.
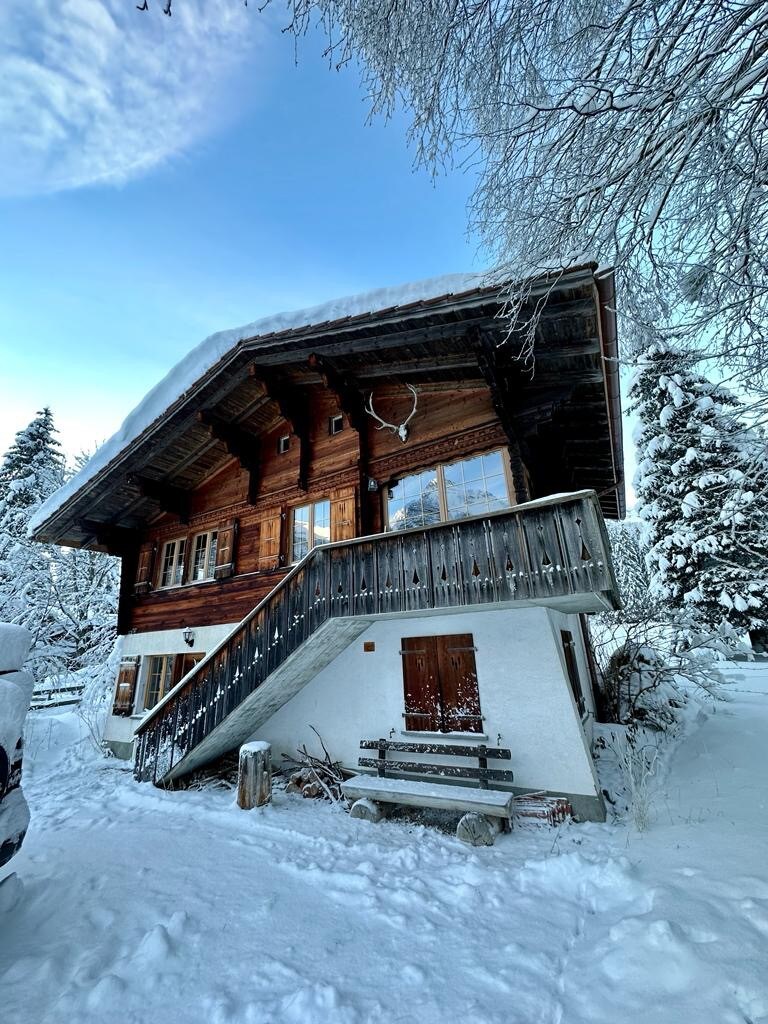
x,y
186,373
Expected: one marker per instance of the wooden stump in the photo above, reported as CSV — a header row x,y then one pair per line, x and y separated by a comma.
x,y
477,830
366,809
254,775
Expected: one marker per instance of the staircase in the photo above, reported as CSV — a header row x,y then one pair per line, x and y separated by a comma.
x,y
550,551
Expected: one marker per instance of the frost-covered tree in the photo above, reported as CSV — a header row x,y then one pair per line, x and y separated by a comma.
x,y
67,598
634,133
84,601
702,489
629,554
33,467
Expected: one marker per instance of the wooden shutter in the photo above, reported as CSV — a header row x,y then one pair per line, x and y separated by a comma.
x,y
269,540
343,513
569,649
420,683
225,551
459,696
144,568
125,691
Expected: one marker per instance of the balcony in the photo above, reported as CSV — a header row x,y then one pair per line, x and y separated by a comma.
x,y
552,551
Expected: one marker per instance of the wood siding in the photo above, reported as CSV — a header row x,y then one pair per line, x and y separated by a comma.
x,y
448,425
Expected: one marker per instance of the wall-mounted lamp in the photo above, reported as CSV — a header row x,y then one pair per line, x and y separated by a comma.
x,y
373,485
189,636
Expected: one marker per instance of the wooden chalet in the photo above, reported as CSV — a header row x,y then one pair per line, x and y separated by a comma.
x,y
374,524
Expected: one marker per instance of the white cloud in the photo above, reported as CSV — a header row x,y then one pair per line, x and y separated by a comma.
x,y
96,91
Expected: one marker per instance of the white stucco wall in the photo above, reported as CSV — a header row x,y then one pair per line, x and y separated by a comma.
x,y
524,695
119,728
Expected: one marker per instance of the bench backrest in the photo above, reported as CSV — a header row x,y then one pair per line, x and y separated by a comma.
x,y
482,774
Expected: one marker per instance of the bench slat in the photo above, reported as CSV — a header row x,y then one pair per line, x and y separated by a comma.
x,y
429,794
446,770
436,748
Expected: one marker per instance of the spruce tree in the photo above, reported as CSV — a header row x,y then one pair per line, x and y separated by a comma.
x,y
702,489
31,470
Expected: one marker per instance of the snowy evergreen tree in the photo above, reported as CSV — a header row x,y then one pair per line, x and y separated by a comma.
x,y
32,468
65,597
702,488
629,554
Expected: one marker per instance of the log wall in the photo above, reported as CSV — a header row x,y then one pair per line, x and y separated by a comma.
x,y
448,425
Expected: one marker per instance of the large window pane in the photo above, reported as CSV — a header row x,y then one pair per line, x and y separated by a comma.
x,y
471,487
321,531
414,501
301,524
476,486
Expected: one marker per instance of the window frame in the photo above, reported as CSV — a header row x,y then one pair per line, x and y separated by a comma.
x,y
311,541
176,564
166,678
573,675
207,563
442,494
335,424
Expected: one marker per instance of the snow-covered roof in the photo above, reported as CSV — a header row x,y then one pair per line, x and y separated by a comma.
x,y
213,349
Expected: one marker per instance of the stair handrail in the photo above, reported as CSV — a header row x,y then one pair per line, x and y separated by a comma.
x,y
295,570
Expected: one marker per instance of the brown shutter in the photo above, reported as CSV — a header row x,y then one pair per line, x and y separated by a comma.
x,y
420,684
125,691
144,568
225,551
269,540
569,649
457,673
343,514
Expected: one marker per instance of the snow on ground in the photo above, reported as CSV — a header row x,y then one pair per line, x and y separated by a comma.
x,y
143,906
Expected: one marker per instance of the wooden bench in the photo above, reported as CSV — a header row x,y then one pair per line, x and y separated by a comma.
x,y
488,811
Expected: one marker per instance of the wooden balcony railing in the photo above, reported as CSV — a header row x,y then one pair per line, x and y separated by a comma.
x,y
553,547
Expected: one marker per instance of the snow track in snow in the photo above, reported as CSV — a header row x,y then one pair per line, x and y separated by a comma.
x,y
178,907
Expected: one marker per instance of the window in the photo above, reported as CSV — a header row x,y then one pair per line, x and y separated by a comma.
x,y
204,556
440,684
159,673
471,487
283,444
183,663
335,424
572,666
311,526
172,565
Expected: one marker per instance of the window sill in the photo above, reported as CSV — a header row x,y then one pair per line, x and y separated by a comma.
x,y
445,735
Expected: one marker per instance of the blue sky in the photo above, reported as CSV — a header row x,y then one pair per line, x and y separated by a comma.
x,y
272,193
165,178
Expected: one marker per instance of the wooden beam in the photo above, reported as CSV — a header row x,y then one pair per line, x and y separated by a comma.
x,y
499,386
117,539
241,444
351,403
173,500
347,393
293,410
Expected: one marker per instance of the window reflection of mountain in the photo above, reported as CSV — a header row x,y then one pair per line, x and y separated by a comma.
x,y
462,502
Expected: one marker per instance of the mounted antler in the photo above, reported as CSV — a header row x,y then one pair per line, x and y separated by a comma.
x,y
402,430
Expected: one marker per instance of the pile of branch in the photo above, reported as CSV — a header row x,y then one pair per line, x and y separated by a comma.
x,y
315,776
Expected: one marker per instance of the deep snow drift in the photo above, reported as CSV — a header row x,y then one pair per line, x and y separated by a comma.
x,y
143,906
